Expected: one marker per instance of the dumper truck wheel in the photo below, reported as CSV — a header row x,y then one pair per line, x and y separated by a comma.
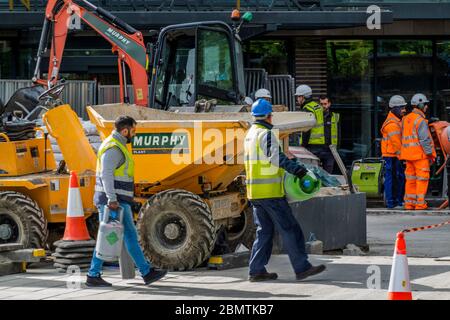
x,y
176,230
243,231
21,221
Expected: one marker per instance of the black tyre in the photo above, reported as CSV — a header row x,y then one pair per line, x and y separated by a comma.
x,y
243,231
21,221
92,224
176,230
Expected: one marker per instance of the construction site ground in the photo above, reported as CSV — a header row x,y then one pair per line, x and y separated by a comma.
x,y
347,277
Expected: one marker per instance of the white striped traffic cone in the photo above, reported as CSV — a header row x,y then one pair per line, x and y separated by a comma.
x,y
399,285
76,229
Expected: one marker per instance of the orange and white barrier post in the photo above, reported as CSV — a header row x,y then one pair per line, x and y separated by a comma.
x,y
399,284
76,229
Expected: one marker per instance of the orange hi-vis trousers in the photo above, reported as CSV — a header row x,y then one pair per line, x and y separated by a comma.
x,y
417,177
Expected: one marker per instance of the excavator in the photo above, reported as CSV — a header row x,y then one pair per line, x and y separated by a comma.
x,y
187,62
180,207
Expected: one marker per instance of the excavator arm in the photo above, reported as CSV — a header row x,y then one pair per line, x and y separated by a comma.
x,y
127,43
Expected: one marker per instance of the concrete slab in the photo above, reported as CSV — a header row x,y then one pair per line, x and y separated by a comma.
x,y
381,231
346,278
429,212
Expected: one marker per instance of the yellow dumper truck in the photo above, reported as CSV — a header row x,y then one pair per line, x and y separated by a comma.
x,y
188,177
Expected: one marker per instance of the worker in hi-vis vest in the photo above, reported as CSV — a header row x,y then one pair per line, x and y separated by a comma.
x,y
263,94
264,165
391,143
114,188
418,151
325,131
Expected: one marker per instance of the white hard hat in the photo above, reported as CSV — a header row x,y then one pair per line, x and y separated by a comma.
x,y
303,90
397,101
262,93
418,98
248,101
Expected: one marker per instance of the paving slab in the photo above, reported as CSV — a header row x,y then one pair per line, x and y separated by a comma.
x,y
346,278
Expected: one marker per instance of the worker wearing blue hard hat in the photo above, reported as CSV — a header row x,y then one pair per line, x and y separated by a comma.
x,y
261,108
265,164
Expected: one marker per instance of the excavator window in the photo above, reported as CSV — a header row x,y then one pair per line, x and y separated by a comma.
x,y
175,81
193,64
214,61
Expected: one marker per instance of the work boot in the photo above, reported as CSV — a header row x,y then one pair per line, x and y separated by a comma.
x,y
262,277
154,275
97,282
310,272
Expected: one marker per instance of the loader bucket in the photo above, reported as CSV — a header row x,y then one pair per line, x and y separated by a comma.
x,y
185,150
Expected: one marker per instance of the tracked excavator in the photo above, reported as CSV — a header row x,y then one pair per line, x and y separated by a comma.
x,y
180,207
186,62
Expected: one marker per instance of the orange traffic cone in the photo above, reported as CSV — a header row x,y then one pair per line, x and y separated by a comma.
x,y
399,285
76,229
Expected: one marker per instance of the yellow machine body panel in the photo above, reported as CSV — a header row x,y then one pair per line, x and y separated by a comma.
x,y
198,152
24,157
63,124
50,191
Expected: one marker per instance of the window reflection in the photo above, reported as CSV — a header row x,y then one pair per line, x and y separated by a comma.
x,y
350,76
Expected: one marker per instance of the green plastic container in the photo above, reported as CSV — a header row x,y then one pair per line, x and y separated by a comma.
x,y
301,189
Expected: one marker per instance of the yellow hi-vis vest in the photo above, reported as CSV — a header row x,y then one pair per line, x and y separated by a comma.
x,y
318,131
264,180
123,175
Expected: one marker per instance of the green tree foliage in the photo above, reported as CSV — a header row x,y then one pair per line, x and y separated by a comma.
x,y
349,58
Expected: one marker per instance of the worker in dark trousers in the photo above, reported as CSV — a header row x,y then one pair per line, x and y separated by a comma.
x,y
114,188
264,165
391,143
325,132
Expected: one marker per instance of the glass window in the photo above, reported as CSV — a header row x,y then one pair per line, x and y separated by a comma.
x,y
175,78
214,60
270,55
404,67
6,60
350,76
443,80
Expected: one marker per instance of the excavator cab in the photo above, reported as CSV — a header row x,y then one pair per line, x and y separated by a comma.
x,y
196,61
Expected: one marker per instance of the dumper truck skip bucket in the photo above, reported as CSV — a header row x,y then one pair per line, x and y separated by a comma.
x,y
186,169
173,150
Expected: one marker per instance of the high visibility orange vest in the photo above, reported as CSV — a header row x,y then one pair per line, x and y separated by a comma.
x,y
411,148
391,132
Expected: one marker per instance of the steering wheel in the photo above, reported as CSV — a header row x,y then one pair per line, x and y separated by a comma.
x,y
53,92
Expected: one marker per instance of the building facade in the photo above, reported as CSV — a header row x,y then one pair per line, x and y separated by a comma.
x,y
358,55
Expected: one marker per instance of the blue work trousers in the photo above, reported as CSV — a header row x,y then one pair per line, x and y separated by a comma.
x,y
270,215
130,239
394,182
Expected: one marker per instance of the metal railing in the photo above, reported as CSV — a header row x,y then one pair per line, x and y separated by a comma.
x,y
111,94
78,93
282,89
255,79
8,87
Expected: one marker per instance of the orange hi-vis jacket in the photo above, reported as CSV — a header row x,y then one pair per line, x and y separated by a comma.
x,y
417,143
391,132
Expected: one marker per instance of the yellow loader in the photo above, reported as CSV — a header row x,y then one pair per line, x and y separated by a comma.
x,y
188,177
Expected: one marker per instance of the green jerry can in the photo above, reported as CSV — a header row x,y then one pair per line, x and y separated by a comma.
x,y
367,175
297,189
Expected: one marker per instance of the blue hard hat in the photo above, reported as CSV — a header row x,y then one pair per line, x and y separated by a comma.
x,y
261,108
